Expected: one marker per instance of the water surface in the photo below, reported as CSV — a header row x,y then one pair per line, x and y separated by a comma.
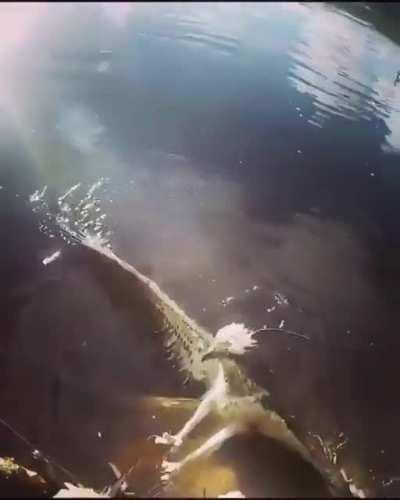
x,y
252,149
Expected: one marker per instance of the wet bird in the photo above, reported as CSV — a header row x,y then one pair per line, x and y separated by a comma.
x,y
241,404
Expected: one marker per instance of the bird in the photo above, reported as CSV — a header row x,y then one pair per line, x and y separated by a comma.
x,y
241,404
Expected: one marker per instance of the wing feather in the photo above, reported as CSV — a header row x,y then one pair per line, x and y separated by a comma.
x,y
184,340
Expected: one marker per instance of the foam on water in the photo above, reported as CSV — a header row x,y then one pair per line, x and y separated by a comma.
x,y
75,215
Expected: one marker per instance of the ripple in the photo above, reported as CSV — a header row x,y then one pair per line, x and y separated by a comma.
x,y
348,70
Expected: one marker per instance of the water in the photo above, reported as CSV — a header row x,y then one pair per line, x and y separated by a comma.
x,y
247,156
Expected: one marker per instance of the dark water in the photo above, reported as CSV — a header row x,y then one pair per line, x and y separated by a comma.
x,y
251,149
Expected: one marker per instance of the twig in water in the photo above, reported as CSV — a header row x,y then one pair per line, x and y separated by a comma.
x,y
282,330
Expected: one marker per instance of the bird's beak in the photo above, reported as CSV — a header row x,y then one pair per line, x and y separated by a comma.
x,y
210,354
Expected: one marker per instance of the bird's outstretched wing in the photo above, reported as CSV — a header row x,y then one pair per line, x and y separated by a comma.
x,y
184,340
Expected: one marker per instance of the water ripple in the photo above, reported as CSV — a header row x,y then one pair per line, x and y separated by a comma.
x,y
348,69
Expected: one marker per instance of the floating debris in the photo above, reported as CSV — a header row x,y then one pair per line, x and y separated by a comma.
x,y
390,481
280,299
30,473
51,258
37,195
271,309
281,324
227,300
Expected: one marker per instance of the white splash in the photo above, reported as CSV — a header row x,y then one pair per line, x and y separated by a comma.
x,y
69,192
280,299
76,218
236,337
51,258
38,195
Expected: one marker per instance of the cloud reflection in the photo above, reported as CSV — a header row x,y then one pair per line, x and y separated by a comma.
x,y
80,128
117,13
348,68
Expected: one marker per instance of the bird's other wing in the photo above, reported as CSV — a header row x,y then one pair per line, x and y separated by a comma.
x,y
183,339
282,364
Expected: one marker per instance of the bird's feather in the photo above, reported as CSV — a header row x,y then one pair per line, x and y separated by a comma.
x,y
183,338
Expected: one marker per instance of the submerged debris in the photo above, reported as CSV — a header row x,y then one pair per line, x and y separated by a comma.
x,y
232,494
357,492
8,466
72,491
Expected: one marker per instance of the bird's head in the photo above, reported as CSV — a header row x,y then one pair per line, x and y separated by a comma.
x,y
231,340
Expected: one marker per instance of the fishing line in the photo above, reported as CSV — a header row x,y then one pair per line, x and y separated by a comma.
x,y
35,452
